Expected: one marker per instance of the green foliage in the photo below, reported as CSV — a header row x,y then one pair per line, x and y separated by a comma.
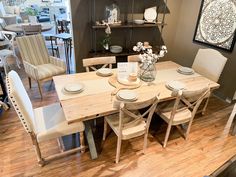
x,y
30,11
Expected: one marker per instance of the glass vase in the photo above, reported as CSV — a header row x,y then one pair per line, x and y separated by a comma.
x,y
147,72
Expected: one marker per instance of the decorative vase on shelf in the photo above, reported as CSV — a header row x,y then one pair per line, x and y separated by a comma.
x,y
147,72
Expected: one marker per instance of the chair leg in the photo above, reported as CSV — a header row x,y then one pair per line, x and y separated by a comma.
x,y
29,79
118,149
40,89
145,142
188,130
41,161
167,135
81,138
104,130
205,106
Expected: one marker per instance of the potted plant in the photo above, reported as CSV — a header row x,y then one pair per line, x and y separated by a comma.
x,y
32,14
107,39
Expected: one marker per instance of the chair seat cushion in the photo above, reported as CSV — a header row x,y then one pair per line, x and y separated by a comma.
x,y
49,70
135,130
182,116
50,123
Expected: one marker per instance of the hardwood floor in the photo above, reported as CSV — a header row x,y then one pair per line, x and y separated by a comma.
x,y
208,147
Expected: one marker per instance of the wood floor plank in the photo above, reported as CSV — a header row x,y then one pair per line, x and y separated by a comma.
x,y
209,146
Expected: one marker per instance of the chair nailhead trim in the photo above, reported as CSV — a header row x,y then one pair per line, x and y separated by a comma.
x,y
17,108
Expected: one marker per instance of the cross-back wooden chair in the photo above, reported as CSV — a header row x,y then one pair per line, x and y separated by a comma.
x,y
134,58
32,29
91,63
42,124
129,123
182,110
209,63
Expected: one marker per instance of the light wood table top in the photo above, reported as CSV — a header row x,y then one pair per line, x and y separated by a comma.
x,y
96,100
18,27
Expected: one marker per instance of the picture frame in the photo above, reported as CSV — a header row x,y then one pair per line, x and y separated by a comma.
x,y
216,24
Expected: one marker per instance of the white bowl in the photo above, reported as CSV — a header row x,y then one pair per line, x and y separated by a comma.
x,y
139,22
116,49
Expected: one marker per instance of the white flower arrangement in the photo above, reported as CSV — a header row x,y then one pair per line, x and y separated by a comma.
x,y
147,55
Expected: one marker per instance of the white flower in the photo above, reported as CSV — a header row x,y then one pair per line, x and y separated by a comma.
x,y
162,53
135,48
108,29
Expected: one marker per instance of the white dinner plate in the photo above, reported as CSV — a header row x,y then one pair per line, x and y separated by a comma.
x,y
150,14
128,95
185,70
175,85
104,72
73,87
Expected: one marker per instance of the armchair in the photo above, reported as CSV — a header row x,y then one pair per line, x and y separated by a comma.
x,y
38,64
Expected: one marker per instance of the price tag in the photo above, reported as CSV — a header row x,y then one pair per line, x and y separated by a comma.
x,y
125,68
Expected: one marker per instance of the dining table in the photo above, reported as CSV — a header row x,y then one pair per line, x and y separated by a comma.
x,y
17,28
97,100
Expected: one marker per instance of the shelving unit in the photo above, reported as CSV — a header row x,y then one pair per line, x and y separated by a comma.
x,y
128,30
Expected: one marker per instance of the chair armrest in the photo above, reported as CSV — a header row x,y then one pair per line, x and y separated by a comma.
x,y
31,70
57,62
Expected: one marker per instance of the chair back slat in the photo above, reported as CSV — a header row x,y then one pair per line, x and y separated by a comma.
x,y
128,109
33,49
20,101
191,98
93,62
134,58
32,29
209,63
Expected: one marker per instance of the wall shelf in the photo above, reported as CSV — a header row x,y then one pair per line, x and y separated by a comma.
x,y
129,33
130,25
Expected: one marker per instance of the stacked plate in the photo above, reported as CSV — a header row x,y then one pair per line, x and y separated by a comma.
x,y
185,70
127,95
73,88
104,72
175,85
116,49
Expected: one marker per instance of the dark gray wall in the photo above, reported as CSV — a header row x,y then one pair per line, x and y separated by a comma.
x,y
184,50
178,35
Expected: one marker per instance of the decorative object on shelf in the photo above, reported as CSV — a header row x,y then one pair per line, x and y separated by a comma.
x,y
147,71
116,49
216,25
147,45
112,14
107,39
139,22
150,15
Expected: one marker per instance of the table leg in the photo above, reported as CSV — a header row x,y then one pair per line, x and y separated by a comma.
x,y
90,139
66,56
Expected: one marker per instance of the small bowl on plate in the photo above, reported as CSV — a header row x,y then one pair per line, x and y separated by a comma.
x,y
139,22
116,49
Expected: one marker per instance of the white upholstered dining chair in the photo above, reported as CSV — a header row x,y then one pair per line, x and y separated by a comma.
x,y
129,123
91,63
209,63
38,64
182,110
43,123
